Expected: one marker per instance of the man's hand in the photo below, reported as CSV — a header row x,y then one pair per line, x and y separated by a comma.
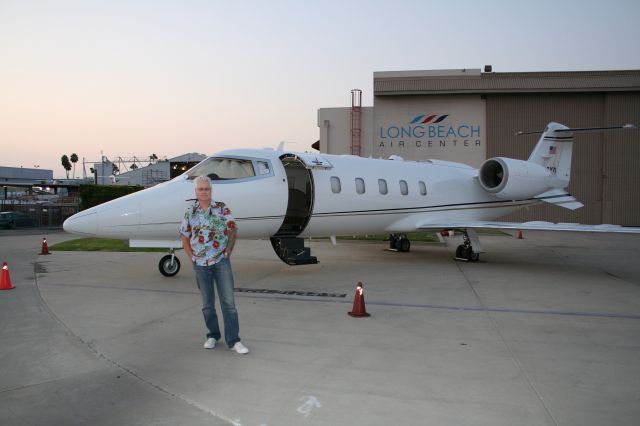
x,y
232,242
186,245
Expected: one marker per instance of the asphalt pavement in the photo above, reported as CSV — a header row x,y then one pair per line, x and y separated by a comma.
x,y
542,331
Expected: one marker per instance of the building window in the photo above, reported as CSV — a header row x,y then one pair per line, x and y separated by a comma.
x,y
423,188
382,186
404,188
335,185
360,185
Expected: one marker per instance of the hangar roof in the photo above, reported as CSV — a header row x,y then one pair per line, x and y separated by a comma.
x,y
474,82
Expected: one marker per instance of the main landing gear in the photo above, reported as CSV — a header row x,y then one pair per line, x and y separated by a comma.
x,y
169,264
469,250
399,242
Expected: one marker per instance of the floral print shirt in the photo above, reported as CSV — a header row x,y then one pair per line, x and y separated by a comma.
x,y
207,230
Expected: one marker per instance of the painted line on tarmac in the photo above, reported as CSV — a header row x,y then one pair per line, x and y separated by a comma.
x,y
511,310
467,308
333,298
110,287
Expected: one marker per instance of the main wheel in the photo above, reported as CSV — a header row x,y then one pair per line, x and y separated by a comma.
x,y
404,245
467,252
393,242
169,265
460,251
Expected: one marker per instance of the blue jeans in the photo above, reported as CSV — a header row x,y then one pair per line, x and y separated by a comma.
x,y
221,276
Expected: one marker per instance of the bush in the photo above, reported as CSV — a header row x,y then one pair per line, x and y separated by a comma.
x,y
92,195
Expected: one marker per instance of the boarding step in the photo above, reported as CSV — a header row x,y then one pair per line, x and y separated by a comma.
x,y
292,251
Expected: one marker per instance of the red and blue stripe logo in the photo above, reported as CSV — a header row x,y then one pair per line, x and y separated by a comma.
x,y
424,118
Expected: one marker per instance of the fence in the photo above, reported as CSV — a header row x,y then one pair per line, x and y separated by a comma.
x,y
44,214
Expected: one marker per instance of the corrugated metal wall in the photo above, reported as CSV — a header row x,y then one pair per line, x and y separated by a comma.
x,y
605,175
621,162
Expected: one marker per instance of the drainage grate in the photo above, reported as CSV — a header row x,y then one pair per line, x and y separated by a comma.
x,y
288,292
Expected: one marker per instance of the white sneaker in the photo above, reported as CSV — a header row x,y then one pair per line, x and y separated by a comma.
x,y
210,343
240,348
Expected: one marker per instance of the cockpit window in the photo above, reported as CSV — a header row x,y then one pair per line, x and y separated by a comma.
x,y
263,167
223,169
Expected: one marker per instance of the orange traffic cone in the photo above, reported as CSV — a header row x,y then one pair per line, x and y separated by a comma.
x,y
45,247
358,303
519,234
5,281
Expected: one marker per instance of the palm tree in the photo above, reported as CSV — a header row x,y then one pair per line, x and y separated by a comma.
x,y
66,164
152,158
74,160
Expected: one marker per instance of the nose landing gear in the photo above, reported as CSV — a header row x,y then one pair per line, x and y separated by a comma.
x,y
169,264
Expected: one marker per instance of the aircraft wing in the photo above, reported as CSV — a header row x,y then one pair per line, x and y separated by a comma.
x,y
533,226
151,243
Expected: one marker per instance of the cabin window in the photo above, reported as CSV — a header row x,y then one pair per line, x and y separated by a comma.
x,y
360,185
223,169
263,168
404,188
382,186
423,188
335,185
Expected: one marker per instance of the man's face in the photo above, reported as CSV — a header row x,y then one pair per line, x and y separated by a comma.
x,y
203,192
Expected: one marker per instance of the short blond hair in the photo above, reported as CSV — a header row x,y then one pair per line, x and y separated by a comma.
x,y
202,179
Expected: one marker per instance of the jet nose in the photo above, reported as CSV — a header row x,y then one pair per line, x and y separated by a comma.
x,y
85,223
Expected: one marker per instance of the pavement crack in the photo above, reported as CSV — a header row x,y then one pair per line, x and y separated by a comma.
x,y
505,342
90,346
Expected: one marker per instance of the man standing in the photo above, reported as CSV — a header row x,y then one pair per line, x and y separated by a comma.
x,y
208,234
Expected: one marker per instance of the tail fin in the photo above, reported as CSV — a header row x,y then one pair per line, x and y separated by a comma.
x,y
553,151
554,148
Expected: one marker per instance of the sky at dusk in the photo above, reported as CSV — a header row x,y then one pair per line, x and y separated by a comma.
x,y
132,78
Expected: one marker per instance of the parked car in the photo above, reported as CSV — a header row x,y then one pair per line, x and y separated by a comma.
x,y
14,219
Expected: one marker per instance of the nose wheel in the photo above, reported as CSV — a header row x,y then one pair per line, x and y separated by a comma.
x,y
169,265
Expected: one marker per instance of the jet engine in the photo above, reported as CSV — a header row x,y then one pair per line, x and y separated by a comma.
x,y
511,179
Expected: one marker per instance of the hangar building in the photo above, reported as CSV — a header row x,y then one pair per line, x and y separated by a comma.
x,y
147,176
468,116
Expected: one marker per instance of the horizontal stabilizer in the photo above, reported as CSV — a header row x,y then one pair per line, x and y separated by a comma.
x,y
627,126
560,198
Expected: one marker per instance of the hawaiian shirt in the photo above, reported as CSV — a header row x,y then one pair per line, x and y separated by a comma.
x,y
207,230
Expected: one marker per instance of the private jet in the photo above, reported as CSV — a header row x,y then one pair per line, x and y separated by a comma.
x,y
289,196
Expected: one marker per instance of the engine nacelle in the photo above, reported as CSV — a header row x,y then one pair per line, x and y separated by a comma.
x,y
514,179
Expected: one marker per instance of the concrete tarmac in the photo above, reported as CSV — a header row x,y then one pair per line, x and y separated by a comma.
x,y
542,331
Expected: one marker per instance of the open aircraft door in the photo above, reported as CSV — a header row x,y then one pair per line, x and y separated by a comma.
x,y
285,242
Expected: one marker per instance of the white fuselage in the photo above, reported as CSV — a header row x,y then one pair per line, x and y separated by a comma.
x,y
297,194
